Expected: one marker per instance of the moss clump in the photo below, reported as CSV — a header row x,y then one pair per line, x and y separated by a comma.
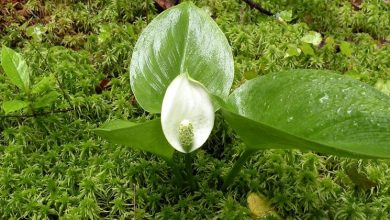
x,y
54,166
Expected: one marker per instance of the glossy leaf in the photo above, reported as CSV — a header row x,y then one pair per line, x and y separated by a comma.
x,y
14,105
181,39
15,67
146,136
312,110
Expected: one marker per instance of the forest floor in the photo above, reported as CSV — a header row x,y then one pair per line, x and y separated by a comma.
x,y
53,166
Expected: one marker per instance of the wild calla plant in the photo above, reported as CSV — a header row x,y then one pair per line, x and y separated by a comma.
x,y
182,50
182,64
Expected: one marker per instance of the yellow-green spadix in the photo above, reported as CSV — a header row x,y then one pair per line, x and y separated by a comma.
x,y
187,114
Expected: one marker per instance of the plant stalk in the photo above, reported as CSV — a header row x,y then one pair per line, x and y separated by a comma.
x,y
189,175
236,168
176,172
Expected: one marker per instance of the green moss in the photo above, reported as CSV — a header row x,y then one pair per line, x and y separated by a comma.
x,y
55,166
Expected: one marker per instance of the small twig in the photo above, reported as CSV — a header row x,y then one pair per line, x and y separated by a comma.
x,y
38,113
356,4
33,14
258,7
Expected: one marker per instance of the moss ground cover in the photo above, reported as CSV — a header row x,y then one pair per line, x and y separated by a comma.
x,y
53,166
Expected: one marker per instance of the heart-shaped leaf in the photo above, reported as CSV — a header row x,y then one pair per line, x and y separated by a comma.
x,y
181,39
146,136
312,110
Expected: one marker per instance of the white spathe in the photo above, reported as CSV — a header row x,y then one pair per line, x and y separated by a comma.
x,y
186,100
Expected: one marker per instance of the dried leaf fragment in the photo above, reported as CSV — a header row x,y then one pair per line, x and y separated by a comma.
x,y
105,84
259,206
165,4
356,4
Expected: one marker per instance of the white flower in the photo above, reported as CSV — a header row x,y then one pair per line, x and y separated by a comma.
x,y
187,114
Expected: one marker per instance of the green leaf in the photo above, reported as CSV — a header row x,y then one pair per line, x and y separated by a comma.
x,y
329,42
45,84
345,48
292,50
383,86
15,67
312,38
312,110
46,100
181,39
358,178
250,75
284,16
307,49
353,74
14,105
36,32
146,136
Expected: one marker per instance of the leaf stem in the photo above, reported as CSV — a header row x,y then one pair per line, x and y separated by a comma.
x,y
30,106
176,172
237,167
189,174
